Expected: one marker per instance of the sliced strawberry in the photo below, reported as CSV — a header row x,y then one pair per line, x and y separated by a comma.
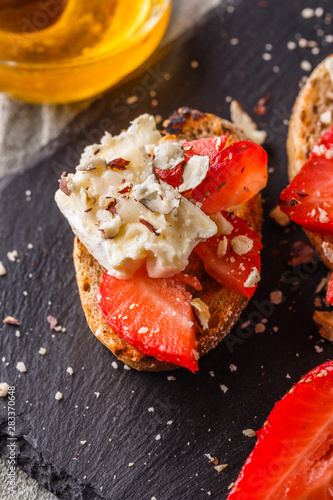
x,y
173,177
329,293
308,200
235,175
204,147
153,314
293,458
232,269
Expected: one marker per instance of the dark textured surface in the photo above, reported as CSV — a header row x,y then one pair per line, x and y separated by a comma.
x,y
118,427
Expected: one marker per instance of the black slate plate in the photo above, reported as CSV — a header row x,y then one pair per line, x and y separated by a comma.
x,y
190,413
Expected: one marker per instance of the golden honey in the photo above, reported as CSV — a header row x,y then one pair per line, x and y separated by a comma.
x,y
62,51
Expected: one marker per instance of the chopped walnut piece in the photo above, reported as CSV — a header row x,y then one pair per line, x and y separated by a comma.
x,y
3,389
149,226
63,184
9,320
118,164
52,321
279,217
324,321
201,312
221,467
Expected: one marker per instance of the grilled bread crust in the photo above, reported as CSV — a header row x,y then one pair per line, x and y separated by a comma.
x,y
225,305
305,128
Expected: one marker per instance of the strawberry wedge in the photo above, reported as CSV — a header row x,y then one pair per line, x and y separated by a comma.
x,y
153,314
235,174
293,457
308,200
234,258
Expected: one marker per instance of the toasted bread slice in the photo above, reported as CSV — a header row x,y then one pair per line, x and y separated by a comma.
x,y
305,128
224,304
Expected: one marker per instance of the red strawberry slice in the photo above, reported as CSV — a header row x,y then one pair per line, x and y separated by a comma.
x,y
173,177
308,200
210,146
201,147
223,263
153,314
293,457
235,175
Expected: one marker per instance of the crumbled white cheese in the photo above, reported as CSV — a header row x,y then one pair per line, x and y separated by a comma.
x,y
252,278
168,155
3,389
194,172
203,312
245,122
21,367
156,197
163,239
241,244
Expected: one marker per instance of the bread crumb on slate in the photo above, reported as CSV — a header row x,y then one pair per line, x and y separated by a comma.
x,y
221,467
3,389
276,297
308,13
114,365
83,442
318,348
2,269
249,433
279,217
97,394
306,65
52,321
151,409
12,256
70,370
131,464
321,284
58,396
171,378
42,351
233,367
126,367
158,437
169,422
324,322
288,376
10,320
21,367
260,328
224,388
